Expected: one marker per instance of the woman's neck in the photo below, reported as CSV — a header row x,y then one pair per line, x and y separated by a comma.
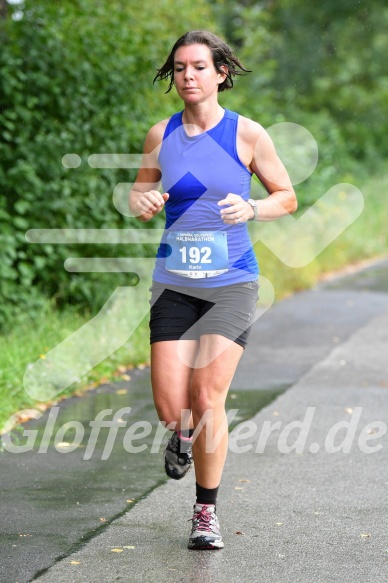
x,y
202,116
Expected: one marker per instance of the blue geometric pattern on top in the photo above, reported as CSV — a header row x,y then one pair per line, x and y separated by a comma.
x,y
191,189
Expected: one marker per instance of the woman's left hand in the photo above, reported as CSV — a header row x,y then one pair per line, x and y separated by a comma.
x,y
238,210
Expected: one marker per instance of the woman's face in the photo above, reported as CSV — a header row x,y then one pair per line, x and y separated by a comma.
x,y
195,76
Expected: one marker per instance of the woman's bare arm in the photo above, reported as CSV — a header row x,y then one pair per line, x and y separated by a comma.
x,y
145,201
258,154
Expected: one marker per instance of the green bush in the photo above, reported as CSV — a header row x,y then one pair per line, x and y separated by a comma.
x,y
76,77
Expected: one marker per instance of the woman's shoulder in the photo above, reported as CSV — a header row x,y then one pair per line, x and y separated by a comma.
x,y
155,135
157,132
249,129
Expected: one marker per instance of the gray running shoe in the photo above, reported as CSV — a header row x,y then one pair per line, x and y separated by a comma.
x,y
205,532
178,457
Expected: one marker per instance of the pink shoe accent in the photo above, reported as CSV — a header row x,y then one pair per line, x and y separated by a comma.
x,y
182,438
203,517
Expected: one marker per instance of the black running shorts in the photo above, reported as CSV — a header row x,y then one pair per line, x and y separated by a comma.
x,y
187,313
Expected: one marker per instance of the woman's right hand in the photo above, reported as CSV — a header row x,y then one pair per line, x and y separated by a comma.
x,y
150,203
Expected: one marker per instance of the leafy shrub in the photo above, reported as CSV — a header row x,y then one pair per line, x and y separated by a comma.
x,y
76,77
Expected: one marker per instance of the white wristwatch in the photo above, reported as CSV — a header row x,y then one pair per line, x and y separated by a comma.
x,y
253,204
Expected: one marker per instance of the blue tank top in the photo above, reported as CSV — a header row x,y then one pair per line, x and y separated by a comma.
x,y
197,172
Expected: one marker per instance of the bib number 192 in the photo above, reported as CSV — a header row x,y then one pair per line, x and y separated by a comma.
x,y
196,254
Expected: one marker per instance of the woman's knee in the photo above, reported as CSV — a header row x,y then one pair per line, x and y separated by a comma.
x,y
172,416
205,398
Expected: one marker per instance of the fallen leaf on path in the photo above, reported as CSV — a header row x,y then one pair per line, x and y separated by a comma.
x,y
238,532
348,410
128,547
366,535
121,391
279,523
125,377
25,417
75,562
129,501
117,550
102,519
244,481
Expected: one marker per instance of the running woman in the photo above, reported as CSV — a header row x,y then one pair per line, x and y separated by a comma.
x,y
205,281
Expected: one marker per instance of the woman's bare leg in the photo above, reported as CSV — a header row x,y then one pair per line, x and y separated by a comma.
x,y
171,379
209,387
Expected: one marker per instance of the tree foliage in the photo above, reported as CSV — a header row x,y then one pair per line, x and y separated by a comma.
x,y
315,59
76,77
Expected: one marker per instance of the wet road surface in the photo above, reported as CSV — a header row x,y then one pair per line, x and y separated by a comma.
x,y
53,502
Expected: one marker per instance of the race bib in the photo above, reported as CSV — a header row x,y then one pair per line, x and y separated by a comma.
x,y
197,255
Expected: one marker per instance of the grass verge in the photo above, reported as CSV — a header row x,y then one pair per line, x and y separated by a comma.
x,y
30,341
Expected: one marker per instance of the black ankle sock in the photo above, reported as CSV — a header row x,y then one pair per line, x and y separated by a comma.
x,y
206,495
187,432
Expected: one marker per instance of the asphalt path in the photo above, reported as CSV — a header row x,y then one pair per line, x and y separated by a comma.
x,y
306,502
